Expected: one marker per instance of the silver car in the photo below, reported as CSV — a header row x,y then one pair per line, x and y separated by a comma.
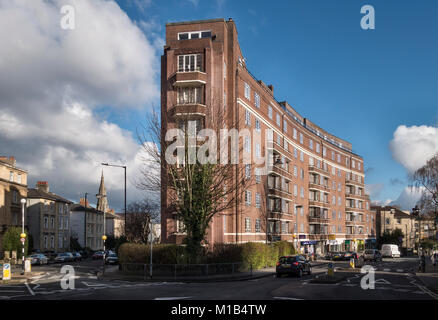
x,y
39,259
64,257
372,254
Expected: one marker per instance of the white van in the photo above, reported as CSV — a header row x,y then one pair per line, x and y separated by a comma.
x,y
390,250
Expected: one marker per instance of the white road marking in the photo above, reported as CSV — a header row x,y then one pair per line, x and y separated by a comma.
x,y
382,281
400,270
28,288
286,298
172,298
93,285
387,270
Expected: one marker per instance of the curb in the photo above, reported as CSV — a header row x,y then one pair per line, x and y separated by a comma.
x,y
431,288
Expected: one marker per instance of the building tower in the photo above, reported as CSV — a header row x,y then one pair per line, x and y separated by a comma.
x,y
102,202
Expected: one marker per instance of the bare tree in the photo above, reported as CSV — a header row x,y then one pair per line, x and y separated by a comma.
x,y
196,191
426,178
139,216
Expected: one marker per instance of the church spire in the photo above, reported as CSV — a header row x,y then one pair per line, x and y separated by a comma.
x,y
102,201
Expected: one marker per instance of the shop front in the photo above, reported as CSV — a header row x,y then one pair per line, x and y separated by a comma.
x,y
308,247
335,245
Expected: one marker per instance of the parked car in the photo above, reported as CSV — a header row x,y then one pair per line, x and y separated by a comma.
x,y
98,255
390,250
350,255
112,259
39,259
76,256
336,256
64,257
293,265
372,254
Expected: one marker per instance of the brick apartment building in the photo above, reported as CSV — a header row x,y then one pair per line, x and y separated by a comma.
x,y
313,193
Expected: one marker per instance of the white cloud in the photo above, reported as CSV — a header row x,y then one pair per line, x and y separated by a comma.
x,y
413,146
51,82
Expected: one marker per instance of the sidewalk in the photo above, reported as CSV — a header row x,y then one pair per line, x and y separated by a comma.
x,y
430,277
113,273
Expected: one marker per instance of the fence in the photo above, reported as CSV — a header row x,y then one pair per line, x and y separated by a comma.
x,y
181,271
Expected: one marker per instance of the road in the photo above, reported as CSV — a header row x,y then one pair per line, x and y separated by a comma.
x,y
394,280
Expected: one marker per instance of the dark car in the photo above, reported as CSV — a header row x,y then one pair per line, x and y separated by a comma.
x,y
111,258
77,256
98,255
337,256
64,257
350,255
293,265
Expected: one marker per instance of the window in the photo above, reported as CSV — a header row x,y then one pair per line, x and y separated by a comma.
x,y
284,125
247,145
45,242
258,151
324,151
247,225
285,145
19,178
190,95
258,225
278,139
295,133
302,173
60,223
301,227
52,223
302,156
339,158
225,100
257,124
358,166
353,164
194,35
301,138
317,148
247,91
302,192
224,221
190,62
52,241
270,112
311,144
278,120
60,241
46,222
257,100
258,200
247,118
295,190
66,223
333,155
296,171
14,196
11,176
248,198
258,175
248,171
296,153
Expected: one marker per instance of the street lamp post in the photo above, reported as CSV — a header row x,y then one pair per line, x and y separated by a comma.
x,y
99,196
22,235
124,167
152,241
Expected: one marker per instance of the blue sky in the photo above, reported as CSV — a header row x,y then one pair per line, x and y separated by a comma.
x,y
359,85
72,99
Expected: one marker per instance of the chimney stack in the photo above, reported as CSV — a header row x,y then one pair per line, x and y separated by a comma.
x,y
82,202
271,87
11,160
43,186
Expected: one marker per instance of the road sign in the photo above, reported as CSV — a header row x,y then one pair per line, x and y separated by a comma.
x,y
6,271
330,270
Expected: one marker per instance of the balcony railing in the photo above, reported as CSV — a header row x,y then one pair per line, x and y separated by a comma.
x,y
318,219
319,171
353,182
318,186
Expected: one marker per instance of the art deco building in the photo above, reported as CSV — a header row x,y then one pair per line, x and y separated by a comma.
x,y
313,193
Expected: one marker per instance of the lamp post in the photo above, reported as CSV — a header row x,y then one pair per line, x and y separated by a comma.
x,y
100,196
152,241
124,167
22,235
416,214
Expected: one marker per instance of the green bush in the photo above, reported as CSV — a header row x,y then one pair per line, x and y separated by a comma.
x,y
11,241
257,255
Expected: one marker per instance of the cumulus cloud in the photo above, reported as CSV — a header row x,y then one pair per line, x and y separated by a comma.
x,y
53,80
413,146
374,190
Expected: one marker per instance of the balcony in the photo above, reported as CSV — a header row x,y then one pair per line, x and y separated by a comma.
x,y
356,196
188,110
316,219
318,203
277,192
320,171
189,79
317,186
353,182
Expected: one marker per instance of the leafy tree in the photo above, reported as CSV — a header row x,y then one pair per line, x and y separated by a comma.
x,y
74,244
11,241
392,237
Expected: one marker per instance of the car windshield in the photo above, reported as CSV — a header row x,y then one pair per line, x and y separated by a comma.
x,y
113,255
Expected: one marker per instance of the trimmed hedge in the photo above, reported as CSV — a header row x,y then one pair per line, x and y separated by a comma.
x,y
255,254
